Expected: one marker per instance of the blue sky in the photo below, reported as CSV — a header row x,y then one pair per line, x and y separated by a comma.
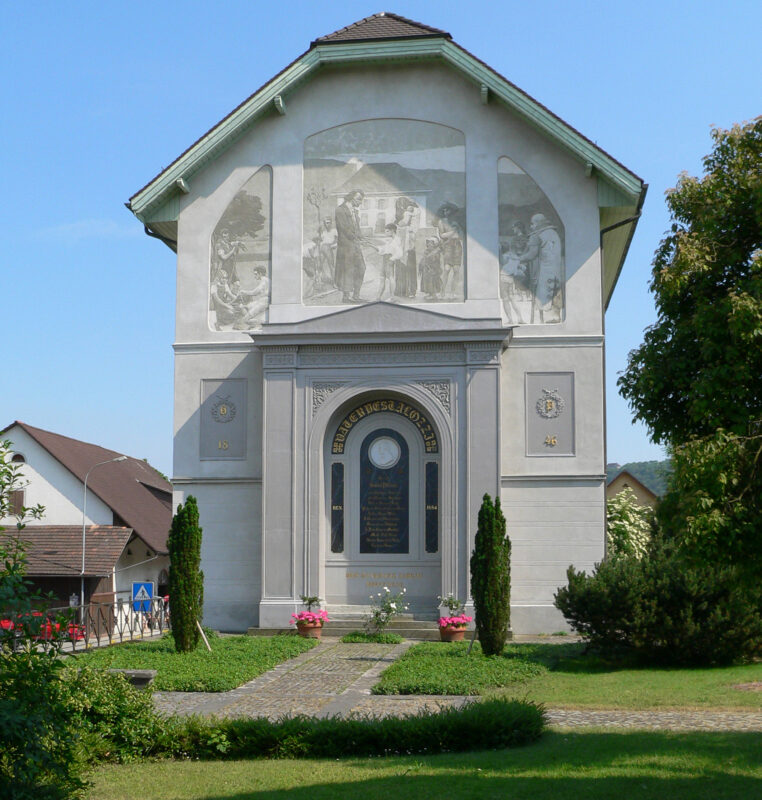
x,y
97,98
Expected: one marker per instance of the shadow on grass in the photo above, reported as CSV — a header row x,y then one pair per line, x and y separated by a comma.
x,y
723,766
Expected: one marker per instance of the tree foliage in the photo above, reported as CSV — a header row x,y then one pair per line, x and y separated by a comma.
x,y
628,525
491,577
39,752
700,365
186,581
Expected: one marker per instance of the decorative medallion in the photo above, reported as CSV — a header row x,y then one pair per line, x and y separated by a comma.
x,y
384,452
223,409
550,405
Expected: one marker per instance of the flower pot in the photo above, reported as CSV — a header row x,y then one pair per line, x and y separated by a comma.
x,y
309,630
452,633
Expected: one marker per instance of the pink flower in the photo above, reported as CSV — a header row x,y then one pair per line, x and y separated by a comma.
x,y
456,622
310,616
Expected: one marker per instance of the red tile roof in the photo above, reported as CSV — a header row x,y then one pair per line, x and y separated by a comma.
x,y
132,489
57,549
381,26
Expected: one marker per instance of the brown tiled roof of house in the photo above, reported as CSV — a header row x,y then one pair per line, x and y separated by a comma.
x,y
381,26
132,489
56,550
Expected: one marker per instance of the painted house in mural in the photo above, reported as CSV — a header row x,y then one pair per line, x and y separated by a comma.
x,y
392,275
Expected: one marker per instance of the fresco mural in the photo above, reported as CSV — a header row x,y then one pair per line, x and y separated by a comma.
x,y
531,235
384,214
239,270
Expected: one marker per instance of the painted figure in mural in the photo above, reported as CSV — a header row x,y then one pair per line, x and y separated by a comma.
x,y
350,262
405,269
543,258
225,253
391,253
451,238
250,304
430,269
514,283
327,238
223,298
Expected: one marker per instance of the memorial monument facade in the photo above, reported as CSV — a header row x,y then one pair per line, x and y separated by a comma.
x,y
393,267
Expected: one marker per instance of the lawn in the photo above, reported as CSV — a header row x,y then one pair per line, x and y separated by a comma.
x,y
562,676
234,660
562,766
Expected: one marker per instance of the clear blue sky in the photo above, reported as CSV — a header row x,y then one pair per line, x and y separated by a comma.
x,y
97,98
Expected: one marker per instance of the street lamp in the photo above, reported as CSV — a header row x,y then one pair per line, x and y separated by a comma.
x,y
84,534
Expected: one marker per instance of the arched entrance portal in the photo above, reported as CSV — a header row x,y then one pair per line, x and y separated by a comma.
x,y
382,496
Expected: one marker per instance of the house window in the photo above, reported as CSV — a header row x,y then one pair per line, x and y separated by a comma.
x,y
18,459
16,503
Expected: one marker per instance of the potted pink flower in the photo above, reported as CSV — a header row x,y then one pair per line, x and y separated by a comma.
x,y
453,629
309,623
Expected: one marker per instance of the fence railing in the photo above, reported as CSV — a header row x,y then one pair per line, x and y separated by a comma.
x,y
92,625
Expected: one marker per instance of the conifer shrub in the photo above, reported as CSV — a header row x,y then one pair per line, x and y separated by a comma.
x,y
186,580
491,577
664,609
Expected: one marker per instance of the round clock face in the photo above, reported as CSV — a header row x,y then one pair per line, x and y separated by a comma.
x,y
384,452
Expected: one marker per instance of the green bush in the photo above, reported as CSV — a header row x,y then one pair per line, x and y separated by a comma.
x,y
360,637
116,720
491,577
186,580
665,609
478,726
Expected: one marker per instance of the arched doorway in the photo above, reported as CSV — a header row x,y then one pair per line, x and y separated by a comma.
x,y
382,497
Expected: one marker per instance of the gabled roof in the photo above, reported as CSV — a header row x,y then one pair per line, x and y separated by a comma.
x,y
627,475
389,38
56,550
381,26
132,489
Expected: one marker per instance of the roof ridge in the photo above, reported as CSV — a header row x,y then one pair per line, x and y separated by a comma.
x,y
426,30
31,430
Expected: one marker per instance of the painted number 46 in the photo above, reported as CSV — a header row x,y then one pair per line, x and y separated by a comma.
x,y
551,441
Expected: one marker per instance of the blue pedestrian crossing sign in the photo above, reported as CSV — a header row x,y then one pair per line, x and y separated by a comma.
x,y
142,594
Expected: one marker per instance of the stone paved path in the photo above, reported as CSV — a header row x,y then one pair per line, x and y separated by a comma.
x,y
335,679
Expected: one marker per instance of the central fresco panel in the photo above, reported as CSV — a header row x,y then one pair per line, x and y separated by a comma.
x,y
384,214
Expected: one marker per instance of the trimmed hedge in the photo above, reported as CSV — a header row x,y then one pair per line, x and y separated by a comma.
x,y
478,726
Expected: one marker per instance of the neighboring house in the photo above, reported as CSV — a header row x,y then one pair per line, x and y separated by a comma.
x,y
128,515
339,434
626,480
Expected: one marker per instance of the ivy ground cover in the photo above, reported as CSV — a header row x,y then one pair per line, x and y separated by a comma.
x,y
564,676
234,660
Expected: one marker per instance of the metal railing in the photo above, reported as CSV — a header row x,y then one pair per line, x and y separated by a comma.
x,y
94,624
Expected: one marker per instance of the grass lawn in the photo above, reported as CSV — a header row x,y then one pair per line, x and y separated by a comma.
x,y
562,766
561,676
234,660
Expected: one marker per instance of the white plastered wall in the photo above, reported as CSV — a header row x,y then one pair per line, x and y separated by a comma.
x,y
229,492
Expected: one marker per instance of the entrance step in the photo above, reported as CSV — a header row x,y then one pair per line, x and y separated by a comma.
x,y
407,627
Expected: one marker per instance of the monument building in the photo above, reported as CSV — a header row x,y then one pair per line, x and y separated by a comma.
x,y
392,271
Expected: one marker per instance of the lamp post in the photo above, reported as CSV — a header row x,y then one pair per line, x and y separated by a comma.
x,y
84,530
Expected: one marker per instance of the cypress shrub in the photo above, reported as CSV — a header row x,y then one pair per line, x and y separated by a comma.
x,y
491,577
186,581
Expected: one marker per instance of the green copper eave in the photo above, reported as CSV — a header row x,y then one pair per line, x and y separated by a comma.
x,y
158,192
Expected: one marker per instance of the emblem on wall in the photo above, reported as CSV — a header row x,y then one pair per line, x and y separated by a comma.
x,y
531,248
239,282
223,409
550,405
384,213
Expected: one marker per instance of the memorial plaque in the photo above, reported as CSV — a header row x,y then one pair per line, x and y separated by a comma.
x,y
384,493
223,419
550,414
337,508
